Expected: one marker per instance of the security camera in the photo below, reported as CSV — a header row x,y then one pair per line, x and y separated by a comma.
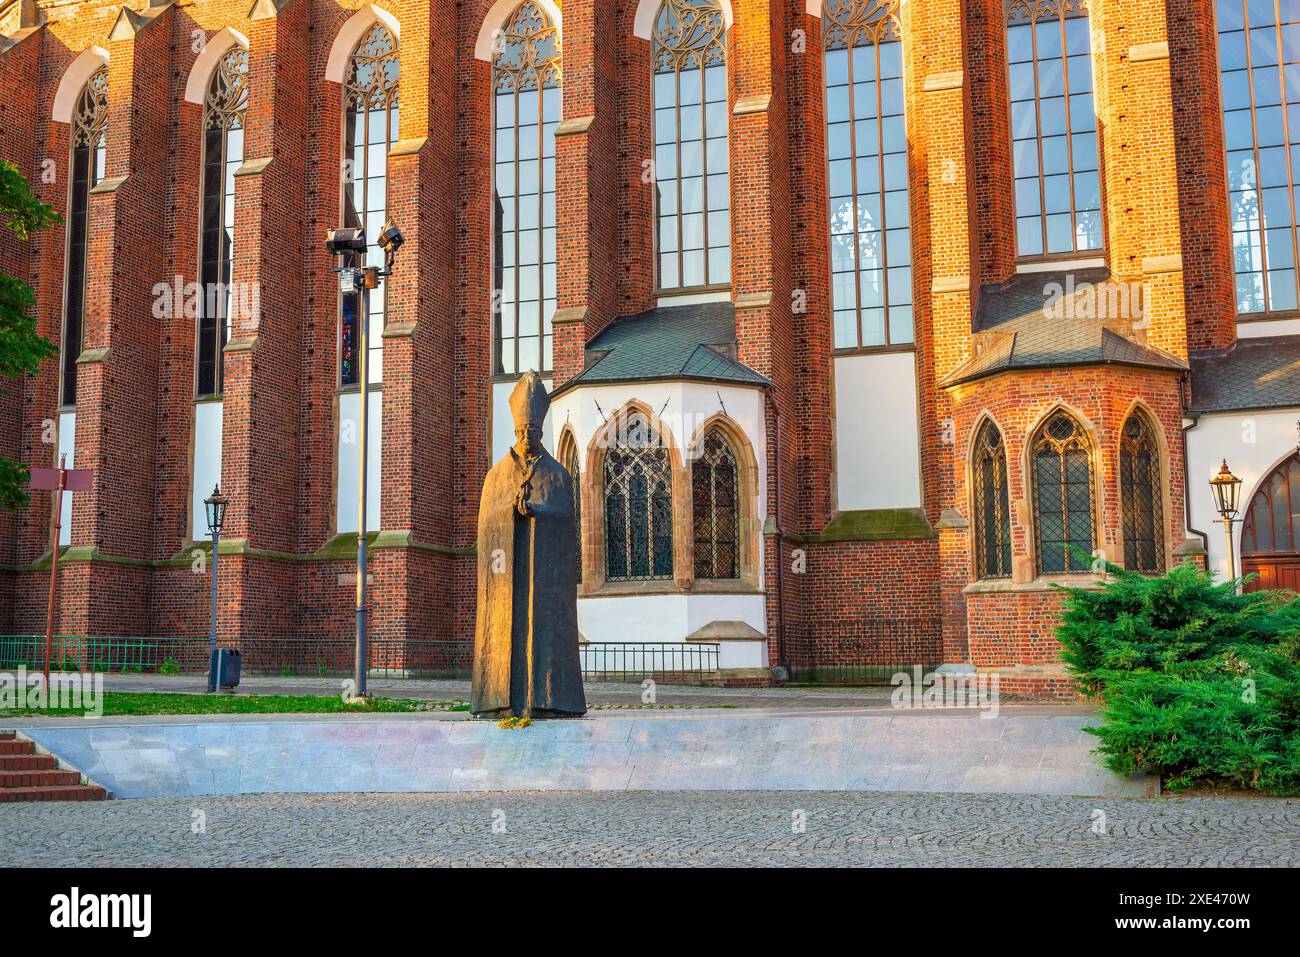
x,y
340,241
391,238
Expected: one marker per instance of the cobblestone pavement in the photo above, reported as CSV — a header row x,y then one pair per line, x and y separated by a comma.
x,y
655,829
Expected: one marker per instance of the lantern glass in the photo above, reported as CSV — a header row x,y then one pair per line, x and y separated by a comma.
x,y
1226,488
215,504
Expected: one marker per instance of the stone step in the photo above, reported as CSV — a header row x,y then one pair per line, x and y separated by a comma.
x,y
27,762
56,793
36,779
17,747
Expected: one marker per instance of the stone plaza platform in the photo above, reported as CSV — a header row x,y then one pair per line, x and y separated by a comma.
x,y
937,751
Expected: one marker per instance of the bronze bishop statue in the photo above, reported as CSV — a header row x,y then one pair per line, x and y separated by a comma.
x,y
526,660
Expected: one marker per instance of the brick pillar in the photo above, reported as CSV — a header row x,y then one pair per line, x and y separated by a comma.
x,y
117,370
1135,117
19,79
261,394
939,131
586,174
413,571
760,261
1208,282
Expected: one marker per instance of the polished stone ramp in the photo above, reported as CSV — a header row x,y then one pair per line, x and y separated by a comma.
x,y
936,751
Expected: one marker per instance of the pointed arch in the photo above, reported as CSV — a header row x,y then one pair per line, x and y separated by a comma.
x,y
1061,468
218,45
350,34
747,517
647,11
1271,516
74,80
1143,481
570,459
990,499
636,498
495,20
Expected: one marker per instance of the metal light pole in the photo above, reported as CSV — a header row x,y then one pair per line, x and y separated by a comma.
x,y
215,504
1226,488
353,280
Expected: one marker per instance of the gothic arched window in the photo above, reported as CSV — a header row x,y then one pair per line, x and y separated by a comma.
x,y
992,504
1063,496
1259,59
89,135
369,131
715,503
691,161
866,148
526,79
569,459
1272,522
224,107
638,487
1053,128
1141,493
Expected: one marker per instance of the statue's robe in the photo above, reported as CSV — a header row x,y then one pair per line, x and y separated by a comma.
x,y
526,659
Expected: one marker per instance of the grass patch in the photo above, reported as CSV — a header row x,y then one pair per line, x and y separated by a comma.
x,y
142,703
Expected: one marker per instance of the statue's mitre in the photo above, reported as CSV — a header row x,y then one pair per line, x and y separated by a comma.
x,y
529,403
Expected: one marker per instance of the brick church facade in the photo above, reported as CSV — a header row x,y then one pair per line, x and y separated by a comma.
x,y
866,321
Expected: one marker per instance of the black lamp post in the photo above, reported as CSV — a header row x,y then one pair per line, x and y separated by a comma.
x,y
215,505
1227,489
350,246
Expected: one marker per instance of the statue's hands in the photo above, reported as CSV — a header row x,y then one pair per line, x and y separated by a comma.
x,y
521,500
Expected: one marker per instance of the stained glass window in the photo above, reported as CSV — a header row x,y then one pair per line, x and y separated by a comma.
x,y
1053,128
89,135
691,161
1259,60
991,505
370,122
1140,492
638,505
223,152
715,494
866,147
1063,496
526,76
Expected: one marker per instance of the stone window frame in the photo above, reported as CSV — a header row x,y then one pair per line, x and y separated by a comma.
x,y
1138,407
987,421
1097,491
594,583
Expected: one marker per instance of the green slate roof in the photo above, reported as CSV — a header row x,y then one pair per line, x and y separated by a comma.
x,y
1015,327
677,342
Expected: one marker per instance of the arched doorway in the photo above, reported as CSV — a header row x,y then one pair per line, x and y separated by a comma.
x,y
1270,533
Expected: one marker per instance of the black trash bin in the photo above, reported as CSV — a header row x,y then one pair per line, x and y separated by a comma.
x,y
230,660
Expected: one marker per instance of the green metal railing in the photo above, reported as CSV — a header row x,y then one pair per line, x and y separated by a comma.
x,y
666,662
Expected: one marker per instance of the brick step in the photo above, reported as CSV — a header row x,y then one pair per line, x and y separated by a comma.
x,y
56,793
36,779
27,762
7,735
17,747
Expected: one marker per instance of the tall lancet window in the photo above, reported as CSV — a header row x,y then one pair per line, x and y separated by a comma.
x,y
526,79
1259,56
1053,128
1063,496
715,505
89,134
369,131
992,509
691,161
223,153
866,147
1142,495
638,486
